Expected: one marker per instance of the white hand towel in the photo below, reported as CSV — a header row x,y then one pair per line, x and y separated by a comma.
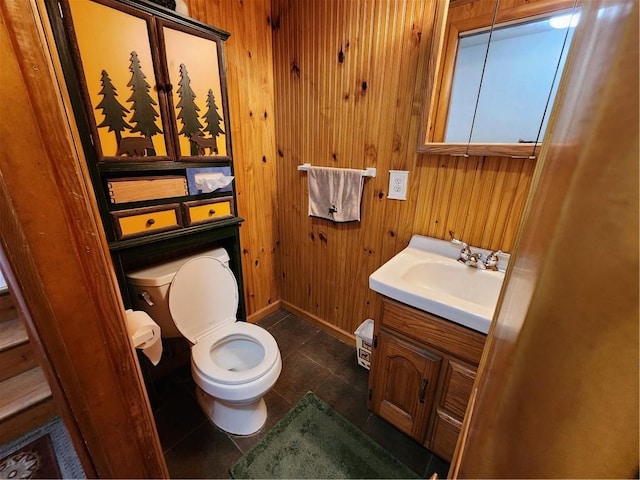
x,y
335,193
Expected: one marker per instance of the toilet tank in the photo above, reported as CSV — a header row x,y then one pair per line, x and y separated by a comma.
x,y
149,288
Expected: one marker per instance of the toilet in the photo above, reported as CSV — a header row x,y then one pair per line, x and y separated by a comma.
x,y
234,364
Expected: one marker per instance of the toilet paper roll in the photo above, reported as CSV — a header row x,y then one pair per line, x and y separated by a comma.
x,y
145,334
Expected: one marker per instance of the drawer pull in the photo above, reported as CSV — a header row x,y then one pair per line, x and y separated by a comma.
x,y
423,389
150,222
212,212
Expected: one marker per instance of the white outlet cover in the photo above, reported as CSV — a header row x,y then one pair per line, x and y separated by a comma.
x,y
398,180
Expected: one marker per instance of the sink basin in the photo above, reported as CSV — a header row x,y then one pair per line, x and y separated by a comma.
x,y
427,276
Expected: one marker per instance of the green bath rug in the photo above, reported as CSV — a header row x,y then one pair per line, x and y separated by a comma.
x,y
314,441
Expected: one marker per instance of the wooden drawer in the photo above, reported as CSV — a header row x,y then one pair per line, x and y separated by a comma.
x,y
142,221
445,435
123,190
457,386
434,331
211,210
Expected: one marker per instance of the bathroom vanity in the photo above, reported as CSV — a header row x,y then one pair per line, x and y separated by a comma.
x,y
428,341
422,374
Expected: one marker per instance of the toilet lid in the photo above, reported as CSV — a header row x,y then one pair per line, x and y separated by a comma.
x,y
203,296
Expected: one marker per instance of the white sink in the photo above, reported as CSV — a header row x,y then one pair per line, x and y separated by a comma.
x,y
427,276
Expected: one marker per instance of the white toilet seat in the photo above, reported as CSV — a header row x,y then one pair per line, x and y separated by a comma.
x,y
201,353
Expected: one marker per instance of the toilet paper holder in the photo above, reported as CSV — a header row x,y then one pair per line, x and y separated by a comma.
x,y
141,337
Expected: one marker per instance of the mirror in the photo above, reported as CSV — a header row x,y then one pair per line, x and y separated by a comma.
x,y
495,67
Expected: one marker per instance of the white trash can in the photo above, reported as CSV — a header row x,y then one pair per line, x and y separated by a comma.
x,y
364,339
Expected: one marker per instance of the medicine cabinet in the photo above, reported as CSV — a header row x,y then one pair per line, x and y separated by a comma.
x,y
494,69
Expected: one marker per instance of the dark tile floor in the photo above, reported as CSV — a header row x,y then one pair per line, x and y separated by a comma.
x,y
313,361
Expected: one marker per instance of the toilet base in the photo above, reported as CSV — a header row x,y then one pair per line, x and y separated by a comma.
x,y
235,418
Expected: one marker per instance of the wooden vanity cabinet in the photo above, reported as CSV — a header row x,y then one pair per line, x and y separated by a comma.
x,y
422,374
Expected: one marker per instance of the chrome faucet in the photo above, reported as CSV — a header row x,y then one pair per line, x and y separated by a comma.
x,y
466,256
465,252
475,259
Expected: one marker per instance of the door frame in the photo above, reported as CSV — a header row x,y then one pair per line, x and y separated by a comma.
x,y
56,260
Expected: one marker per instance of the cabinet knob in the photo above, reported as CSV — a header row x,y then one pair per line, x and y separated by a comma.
x,y
212,212
150,222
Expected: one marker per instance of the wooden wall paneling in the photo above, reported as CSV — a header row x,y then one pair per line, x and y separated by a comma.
x,y
326,117
250,78
511,170
516,209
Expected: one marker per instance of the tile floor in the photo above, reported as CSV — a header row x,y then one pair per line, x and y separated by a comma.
x,y
312,360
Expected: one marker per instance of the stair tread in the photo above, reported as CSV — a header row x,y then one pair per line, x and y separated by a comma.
x,y
22,391
12,333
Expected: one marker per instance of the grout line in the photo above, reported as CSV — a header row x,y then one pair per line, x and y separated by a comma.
x,y
185,435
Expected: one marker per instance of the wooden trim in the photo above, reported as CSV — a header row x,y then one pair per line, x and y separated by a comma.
x,y
255,317
318,322
58,266
514,150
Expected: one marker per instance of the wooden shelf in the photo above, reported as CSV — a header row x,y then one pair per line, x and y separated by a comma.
x,y
173,234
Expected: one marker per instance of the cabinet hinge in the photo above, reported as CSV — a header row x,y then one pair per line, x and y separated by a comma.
x,y
370,394
375,341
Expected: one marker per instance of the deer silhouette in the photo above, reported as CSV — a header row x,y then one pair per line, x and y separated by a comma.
x,y
203,143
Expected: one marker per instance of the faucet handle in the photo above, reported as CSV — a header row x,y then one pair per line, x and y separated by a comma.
x,y
492,260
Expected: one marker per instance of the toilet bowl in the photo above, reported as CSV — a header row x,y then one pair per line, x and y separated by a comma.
x,y
234,364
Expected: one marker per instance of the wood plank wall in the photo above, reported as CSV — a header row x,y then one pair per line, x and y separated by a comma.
x,y
348,93
340,82
250,81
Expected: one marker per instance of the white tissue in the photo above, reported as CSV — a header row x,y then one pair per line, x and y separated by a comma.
x,y
145,334
209,182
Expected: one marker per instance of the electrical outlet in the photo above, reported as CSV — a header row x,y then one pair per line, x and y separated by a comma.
x,y
398,184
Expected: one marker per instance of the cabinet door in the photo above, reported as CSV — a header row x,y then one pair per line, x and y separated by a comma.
x,y
404,385
451,406
198,98
120,80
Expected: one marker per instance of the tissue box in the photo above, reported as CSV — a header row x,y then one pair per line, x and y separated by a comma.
x,y
191,178
135,189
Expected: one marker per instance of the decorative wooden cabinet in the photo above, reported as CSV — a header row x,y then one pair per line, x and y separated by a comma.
x,y
422,373
148,91
152,87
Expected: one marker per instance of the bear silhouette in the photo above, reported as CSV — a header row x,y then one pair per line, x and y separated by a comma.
x,y
134,146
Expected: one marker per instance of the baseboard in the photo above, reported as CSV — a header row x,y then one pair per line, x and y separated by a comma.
x,y
318,322
263,312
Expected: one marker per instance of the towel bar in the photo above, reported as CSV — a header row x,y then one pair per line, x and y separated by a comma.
x,y
368,172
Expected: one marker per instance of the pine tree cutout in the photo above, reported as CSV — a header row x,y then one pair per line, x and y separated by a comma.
x,y
212,117
191,126
114,112
144,114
